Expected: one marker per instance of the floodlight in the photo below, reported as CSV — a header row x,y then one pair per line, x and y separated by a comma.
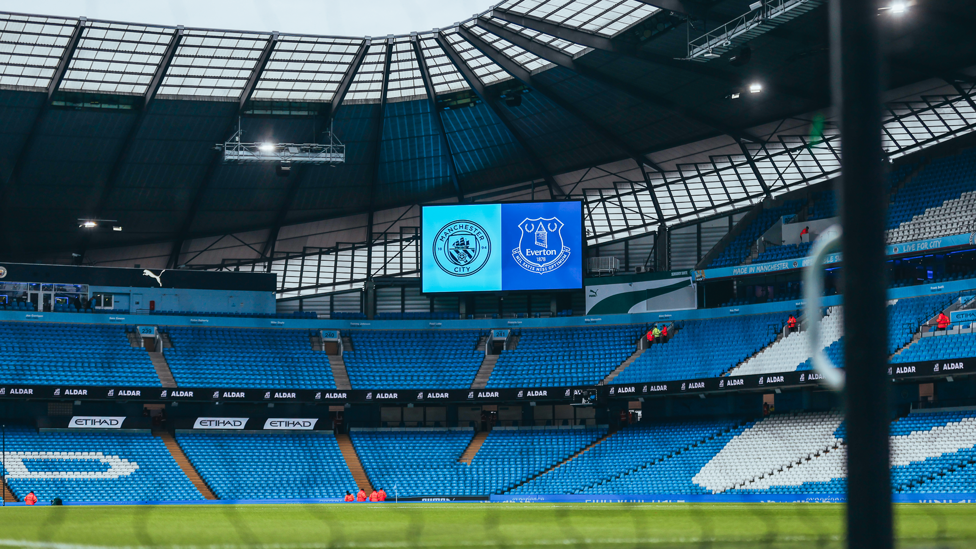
x,y
116,228
266,147
755,6
755,87
89,224
897,7
735,95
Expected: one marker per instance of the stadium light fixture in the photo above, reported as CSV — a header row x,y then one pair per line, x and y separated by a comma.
x,y
266,147
85,223
755,87
898,8
89,224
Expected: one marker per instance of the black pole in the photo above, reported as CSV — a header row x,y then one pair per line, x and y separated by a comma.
x,y
856,72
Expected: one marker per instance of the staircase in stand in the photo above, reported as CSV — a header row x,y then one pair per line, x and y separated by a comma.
x,y
484,372
184,463
8,495
134,339
162,369
339,373
594,444
473,447
352,461
630,360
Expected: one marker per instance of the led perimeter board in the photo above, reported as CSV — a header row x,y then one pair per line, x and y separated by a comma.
x,y
502,247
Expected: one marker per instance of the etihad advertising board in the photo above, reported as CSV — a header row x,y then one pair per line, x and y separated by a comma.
x,y
502,247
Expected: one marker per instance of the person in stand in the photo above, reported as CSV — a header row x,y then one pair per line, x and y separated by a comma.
x,y
31,499
806,230
942,321
650,336
374,497
657,334
664,333
382,495
349,496
791,323
765,409
361,496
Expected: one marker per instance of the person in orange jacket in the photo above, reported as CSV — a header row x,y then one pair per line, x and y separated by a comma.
x,y
791,323
361,496
31,499
382,495
374,497
349,496
942,321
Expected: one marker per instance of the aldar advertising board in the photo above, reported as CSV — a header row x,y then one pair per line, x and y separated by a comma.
x,y
669,291
502,247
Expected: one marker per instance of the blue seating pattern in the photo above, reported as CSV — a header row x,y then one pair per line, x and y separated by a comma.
x,y
781,253
417,316
625,451
951,472
704,348
938,348
259,359
413,359
72,354
738,250
425,462
562,357
269,466
942,179
905,317
93,467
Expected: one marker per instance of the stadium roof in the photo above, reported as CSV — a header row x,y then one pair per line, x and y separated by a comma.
x,y
118,121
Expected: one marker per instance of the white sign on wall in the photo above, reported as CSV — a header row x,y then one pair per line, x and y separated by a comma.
x,y
96,422
290,424
220,423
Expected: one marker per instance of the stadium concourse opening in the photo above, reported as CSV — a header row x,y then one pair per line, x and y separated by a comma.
x,y
565,272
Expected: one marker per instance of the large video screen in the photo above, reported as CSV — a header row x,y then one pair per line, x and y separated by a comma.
x,y
502,247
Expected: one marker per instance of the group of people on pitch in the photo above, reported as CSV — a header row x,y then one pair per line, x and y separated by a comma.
x,y
377,495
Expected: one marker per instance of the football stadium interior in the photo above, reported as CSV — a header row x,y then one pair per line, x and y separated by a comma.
x,y
563,251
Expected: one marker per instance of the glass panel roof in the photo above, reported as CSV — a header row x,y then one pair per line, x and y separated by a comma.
x,y
213,64
405,81
116,58
306,68
30,48
528,61
367,85
569,48
485,69
603,17
444,76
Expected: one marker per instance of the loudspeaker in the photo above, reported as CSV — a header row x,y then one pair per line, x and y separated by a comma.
x,y
56,501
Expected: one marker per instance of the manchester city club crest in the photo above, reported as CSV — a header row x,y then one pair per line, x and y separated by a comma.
x,y
541,249
461,248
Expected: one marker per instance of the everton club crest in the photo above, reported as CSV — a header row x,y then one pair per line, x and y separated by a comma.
x,y
541,248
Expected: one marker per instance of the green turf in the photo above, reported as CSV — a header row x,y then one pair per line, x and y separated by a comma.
x,y
498,525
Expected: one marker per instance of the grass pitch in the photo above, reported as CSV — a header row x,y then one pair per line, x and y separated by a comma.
x,y
497,525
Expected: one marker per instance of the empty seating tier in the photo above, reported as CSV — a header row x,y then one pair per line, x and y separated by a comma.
x,y
565,356
739,248
269,466
72,354
413,359
704,348
93,467
223,357
426,462
939,201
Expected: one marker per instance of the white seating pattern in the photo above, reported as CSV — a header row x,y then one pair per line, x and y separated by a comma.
x,y
118,467
822,468
769,446
920,445
954,216
793,350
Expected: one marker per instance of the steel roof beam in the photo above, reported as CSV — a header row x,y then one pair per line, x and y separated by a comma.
x,y
56,79
297,179
212,168
525,76
492,102
164,64
429,86
130,136
65,60
258,69
687,7
636,92
377,146
755,168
